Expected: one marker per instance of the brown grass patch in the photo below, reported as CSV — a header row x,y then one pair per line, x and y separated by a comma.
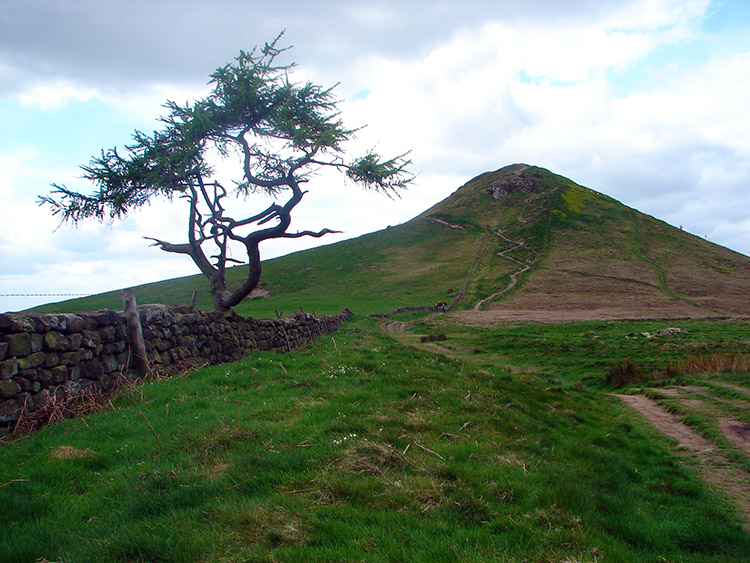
x,y
627,371
716,363
53,405
69,452
213,471
273,528
371,459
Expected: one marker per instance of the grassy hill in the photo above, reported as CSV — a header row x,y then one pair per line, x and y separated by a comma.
x,y
438,437
517,243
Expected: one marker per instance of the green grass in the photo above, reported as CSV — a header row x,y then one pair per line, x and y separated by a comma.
x,y
583,351
360,448
411,264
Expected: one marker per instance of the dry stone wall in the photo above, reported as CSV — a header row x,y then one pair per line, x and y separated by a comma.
x,y
41,355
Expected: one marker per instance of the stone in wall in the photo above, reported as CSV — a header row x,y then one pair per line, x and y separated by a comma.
x,y
43,355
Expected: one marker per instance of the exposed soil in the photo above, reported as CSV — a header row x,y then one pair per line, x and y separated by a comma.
x,y
69,452
668,423
503,315
392,326
713,466
259,292
446,223
738,433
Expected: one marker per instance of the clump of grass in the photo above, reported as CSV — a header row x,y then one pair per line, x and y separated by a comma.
x,y
719,362
625,372
628,372
370,459
433,337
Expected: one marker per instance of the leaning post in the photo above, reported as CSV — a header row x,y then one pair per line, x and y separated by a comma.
x,y
135,332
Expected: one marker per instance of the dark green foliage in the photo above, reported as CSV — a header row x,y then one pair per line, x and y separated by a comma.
x,y
252,96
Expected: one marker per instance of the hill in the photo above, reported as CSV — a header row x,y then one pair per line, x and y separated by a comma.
x,y
431,440
517,243
583,255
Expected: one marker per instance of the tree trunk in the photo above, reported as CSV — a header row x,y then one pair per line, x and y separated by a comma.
x,y
225,300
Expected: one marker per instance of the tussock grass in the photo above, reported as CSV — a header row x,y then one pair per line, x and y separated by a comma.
x,y
627,372
433,337
719,362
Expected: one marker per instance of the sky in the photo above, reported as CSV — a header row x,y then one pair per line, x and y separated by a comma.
x,y
645,101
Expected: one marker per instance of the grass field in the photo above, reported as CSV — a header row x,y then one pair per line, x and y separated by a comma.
x,y
367,448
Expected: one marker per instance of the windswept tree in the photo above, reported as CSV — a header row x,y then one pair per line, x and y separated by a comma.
x,y
278,131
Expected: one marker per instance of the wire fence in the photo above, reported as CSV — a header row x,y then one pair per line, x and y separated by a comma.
x,y
45,294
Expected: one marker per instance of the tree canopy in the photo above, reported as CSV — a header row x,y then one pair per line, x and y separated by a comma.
x,y
278,130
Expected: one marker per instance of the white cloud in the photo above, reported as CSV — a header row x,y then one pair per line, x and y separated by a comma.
x,y
53,96
528,88
146,104
675,17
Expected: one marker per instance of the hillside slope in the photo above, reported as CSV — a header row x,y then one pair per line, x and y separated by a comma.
x,y
602,259
549,249
517,243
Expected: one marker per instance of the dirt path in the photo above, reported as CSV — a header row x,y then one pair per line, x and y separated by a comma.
x,y
524,266
668,423
513,277
392,326
714,467
446,223
738,433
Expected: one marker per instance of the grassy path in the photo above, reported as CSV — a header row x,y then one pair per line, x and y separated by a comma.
x,y
392,326
724,434
714,467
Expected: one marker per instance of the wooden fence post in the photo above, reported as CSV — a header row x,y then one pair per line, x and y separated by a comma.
x,y
135,332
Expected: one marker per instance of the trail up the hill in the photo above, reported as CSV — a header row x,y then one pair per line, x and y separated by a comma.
x,y
524,267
